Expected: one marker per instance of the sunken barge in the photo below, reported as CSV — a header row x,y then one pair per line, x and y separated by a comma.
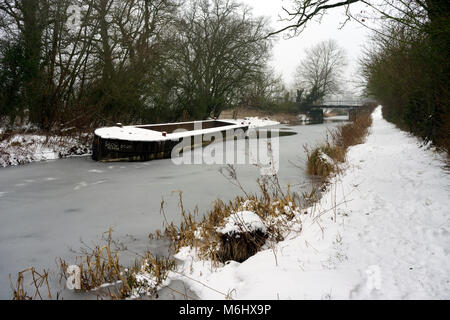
x,y
156,141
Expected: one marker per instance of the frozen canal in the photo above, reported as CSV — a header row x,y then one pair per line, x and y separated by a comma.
x,y
46,208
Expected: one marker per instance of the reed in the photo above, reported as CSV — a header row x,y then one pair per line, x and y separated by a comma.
x,y
98,266
274,207
37,281
324,160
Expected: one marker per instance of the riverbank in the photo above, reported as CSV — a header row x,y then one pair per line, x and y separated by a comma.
x,y
380,232
47,207
21,147
281,117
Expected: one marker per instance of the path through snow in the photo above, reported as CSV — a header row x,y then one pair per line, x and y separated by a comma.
x,y
399,222
391,239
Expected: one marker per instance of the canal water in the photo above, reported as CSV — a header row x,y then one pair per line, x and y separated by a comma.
x,y
51,209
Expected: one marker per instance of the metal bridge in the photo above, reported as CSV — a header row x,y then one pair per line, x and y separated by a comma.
x,y
340,104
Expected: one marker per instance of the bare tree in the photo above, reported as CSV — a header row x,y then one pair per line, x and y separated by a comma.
x,y
126,60
265,91
320,72
221,47
414,14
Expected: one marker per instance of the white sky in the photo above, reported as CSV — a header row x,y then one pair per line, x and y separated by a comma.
x,y
288,52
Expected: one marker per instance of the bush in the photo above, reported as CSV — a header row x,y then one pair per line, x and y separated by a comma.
x,y
407,72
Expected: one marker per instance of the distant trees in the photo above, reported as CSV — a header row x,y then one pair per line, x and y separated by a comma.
x,y
319,73
265,91
406,67
220,49
84,63
409,77
85,67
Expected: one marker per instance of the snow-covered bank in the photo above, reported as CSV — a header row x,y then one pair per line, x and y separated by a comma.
x,y
26,148
381,231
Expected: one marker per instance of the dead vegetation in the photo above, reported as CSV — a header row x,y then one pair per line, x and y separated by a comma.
x,y
323,160
146,280
240,247
97,271
98,266
30,279
275,208
280,212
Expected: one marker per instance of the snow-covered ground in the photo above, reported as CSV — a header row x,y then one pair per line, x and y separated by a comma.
x,y
381,231
25,148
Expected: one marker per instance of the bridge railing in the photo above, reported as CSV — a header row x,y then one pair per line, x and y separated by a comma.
x,y
355,103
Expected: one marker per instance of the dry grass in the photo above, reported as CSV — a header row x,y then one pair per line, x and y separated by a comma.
x,y
242,247
37,282
274,207
100,267
150,276
323,160
279,211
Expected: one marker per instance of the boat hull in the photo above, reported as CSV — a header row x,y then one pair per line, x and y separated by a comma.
x,y
112,150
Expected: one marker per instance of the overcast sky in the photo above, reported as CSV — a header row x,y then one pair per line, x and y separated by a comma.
x,y
288,52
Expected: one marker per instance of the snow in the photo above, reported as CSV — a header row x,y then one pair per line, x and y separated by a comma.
x,y
132,133
243,221
26,148
255,122
129,133
325,158
303,117
380,231
42,220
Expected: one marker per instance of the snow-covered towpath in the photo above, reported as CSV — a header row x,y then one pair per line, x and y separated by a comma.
x,y
399,226
390,240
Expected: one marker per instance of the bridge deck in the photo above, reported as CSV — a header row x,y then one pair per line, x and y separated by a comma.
x,y
337,106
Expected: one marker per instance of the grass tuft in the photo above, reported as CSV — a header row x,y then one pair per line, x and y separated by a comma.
x,y
274,207
323,160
